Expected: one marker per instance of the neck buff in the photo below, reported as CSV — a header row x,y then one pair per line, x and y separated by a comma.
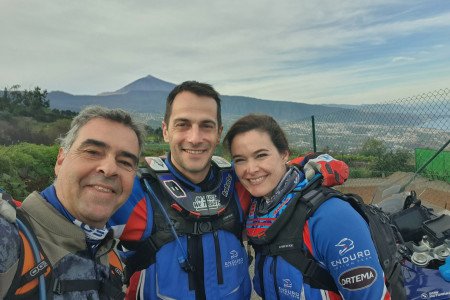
x,y
290,179
94,236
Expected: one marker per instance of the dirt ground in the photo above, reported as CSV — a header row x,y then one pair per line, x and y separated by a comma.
x,y
433,193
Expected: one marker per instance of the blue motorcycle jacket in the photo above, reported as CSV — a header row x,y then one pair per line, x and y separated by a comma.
x,y
217,263
336,236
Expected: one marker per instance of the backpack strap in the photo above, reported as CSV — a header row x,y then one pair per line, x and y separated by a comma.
x,y
116,269
144,256
106,287
25,282
313,274
289,241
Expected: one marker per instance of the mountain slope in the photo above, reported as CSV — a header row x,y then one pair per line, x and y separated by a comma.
x,y
148,95
145,84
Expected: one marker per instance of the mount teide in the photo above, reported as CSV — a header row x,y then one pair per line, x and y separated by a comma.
x,y
148,95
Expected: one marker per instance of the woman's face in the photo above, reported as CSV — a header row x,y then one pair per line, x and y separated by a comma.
x,y
257,162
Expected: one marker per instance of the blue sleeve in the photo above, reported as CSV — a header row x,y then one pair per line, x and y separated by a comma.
x,y
342,243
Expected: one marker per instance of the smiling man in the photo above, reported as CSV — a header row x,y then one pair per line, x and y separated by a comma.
x,y
95,170
193,131
190,223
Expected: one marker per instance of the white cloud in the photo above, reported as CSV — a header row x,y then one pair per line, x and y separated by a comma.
x,y
402,58
290,50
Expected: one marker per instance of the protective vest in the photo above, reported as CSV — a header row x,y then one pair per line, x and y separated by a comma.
x,y
191,213
280,233
33,263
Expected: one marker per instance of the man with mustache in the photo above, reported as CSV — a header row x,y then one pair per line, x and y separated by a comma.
x,y
66,222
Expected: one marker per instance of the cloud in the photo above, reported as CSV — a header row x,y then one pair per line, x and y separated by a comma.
x,y
289,50
402,58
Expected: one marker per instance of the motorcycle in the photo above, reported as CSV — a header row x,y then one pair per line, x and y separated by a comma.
x,y
424,238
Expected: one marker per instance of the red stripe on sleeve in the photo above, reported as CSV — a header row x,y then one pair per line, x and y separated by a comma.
x,y
136,224
244,197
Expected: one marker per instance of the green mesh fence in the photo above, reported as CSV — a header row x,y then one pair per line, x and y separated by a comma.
x,y
439,168
378,141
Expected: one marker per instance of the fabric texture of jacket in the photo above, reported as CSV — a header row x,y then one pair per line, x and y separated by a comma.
x,y
64,245
337,237
219,256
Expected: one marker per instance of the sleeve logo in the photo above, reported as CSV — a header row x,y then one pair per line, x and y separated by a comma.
x,y
345,245
358,278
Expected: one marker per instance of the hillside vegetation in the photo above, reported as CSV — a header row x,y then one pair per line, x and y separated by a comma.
x,y
29,129
25,116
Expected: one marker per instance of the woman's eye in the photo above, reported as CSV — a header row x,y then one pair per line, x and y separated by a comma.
x,y
261,155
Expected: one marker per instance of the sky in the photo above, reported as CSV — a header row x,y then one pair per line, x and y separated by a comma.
x,y
310,51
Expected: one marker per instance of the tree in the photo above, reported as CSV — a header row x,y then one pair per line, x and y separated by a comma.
x,y
393,161
4,101
385,161
373,147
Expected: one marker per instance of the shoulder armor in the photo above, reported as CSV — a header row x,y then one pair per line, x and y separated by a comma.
x,y
156,164
221,162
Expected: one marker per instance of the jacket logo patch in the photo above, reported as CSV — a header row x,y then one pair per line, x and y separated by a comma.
x,y
173,187
206,202
226,188
352,258
235,260
345,245
358,278
287,283
38,269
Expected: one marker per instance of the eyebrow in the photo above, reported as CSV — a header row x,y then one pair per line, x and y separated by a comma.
x,y
207,121
254,153
97,143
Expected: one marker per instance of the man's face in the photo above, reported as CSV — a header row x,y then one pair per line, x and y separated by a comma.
x,y
96,175
193,134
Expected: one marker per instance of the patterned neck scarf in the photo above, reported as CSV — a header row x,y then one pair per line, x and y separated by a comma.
x,y
290,179
94,236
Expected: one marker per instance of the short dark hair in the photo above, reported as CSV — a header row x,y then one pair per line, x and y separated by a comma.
x,y
262,123
197,88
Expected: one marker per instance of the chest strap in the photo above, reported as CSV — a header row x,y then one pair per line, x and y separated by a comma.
x,y
112,287
102,286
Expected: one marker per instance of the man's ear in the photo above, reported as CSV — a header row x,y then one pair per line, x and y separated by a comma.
x,y
219,135
285,156
59,160
165,132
